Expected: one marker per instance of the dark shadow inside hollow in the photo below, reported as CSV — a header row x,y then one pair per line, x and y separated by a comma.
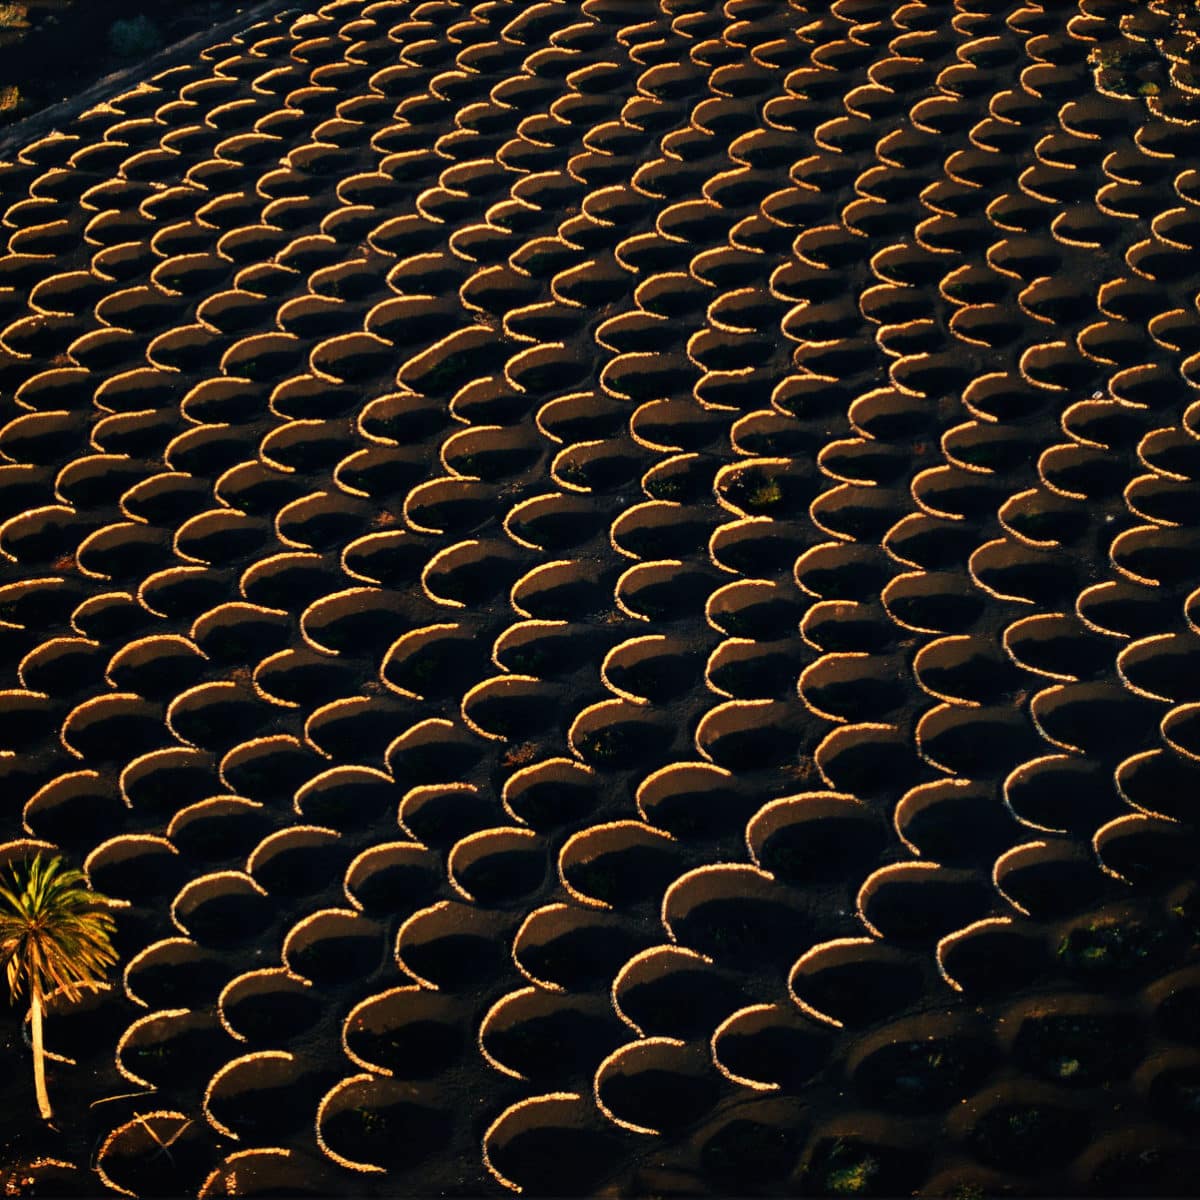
x,y
454,961
412,1050
397,1137
556,1047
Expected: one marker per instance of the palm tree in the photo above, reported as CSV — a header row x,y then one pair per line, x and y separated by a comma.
x,y
55,935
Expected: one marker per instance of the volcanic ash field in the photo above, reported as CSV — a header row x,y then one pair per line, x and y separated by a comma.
x,y
614,587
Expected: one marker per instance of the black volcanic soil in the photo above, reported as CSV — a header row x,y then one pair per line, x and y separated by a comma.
x,y
611,588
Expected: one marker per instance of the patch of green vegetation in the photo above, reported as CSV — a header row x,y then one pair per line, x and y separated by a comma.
x,y
1066,1068
766,495
851,1171
1108,946
852,1181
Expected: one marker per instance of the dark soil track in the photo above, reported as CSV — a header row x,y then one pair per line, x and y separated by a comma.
x,y
613,588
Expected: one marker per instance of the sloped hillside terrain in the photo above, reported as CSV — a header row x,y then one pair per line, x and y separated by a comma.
x,y
614,588
53,52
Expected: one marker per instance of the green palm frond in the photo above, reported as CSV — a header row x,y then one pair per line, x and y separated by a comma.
x,y
55,932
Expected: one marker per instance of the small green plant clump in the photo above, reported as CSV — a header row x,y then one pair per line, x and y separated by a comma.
x,y
756,490
1108,946
766,495
1065,1068
852,1180
850,1171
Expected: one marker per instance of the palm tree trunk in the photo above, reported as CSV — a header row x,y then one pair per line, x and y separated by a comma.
x,y
39,1054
